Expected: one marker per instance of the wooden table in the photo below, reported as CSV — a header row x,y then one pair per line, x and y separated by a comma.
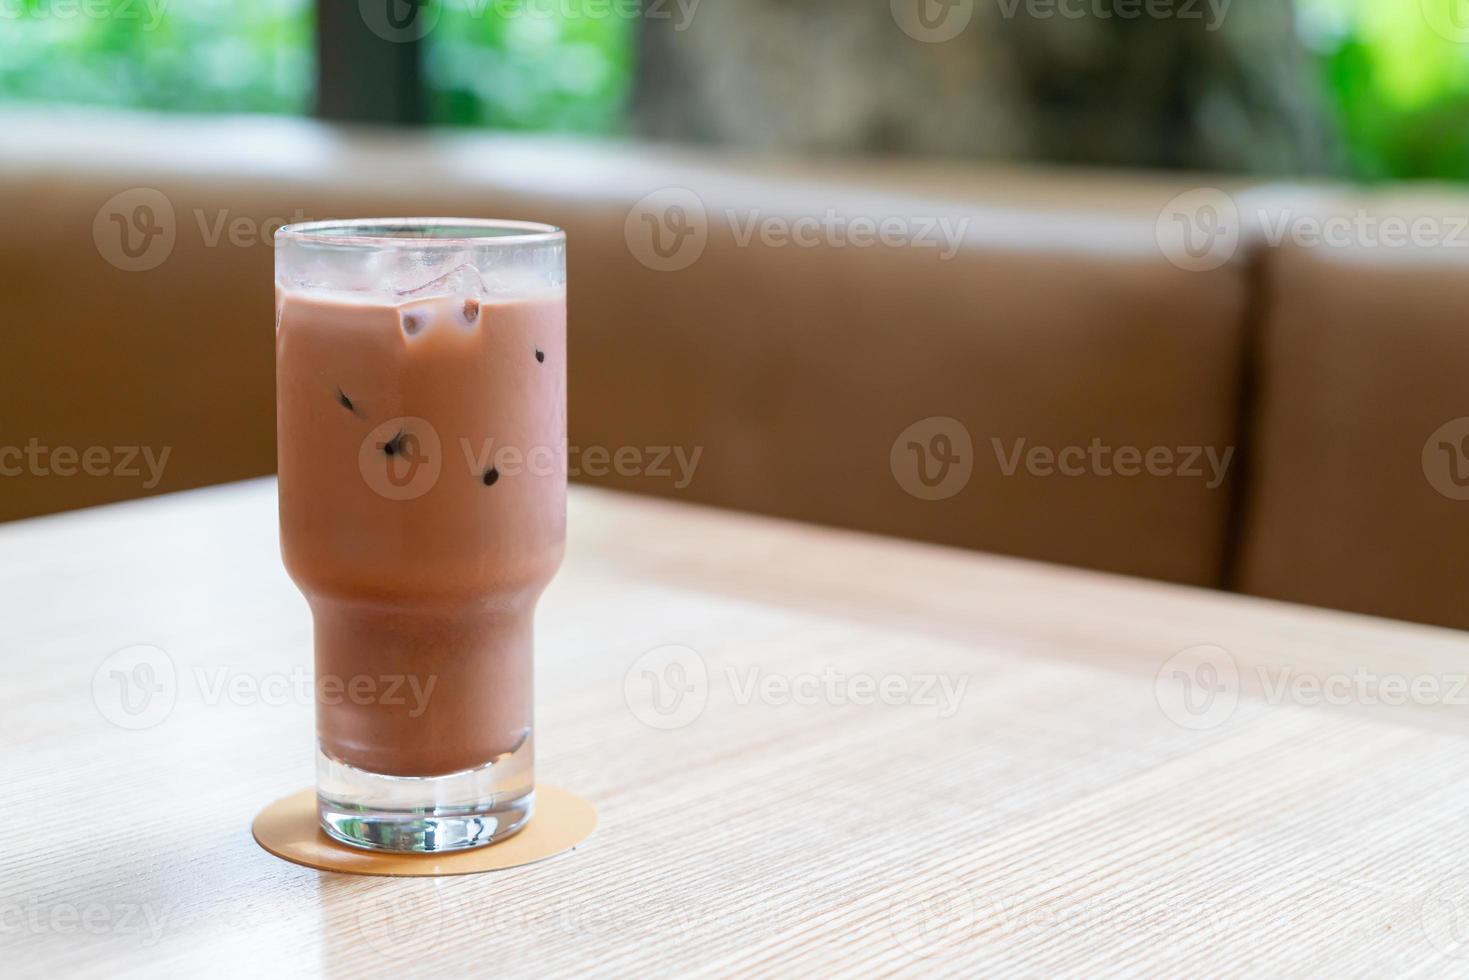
x,y
793,793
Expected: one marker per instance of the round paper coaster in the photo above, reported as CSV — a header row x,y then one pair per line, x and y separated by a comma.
x,y
288,829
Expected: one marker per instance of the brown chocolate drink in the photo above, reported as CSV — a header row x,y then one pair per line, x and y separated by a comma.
x,y
423,511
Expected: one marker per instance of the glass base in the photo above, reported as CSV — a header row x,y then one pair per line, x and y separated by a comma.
x,y
426,814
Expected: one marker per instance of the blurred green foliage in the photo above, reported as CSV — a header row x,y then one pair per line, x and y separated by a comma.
x,y
190,55
1396,72
562,65
1397,75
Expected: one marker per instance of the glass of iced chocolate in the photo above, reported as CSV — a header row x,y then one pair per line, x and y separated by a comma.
x,y
421,426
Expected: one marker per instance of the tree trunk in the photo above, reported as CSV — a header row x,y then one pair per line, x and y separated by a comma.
x,y
1213,85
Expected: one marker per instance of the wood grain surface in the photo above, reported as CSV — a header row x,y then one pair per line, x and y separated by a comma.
x,y
812,752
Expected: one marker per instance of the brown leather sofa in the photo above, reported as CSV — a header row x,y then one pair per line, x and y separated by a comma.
x,y
1260,425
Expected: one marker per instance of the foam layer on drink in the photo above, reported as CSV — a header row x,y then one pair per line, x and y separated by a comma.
x,y
423,511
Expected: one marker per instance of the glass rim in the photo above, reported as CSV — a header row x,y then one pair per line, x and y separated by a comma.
x,y
398,233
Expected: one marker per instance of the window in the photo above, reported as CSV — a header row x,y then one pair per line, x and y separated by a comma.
x,y
191,55
563,65
1397,75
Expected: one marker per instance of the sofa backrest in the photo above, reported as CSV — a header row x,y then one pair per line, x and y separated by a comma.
x,y
1017,361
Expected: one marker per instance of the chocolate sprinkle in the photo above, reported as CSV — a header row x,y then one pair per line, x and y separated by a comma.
x,y
540,355
392,446
345,402
471,310
491,475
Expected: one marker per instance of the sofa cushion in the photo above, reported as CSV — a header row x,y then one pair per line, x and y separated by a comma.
x,y
1358,493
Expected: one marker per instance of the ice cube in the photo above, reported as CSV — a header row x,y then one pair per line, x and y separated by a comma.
x,y
463,280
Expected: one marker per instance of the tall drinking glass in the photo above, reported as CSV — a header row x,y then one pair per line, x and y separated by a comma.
x,y
421,426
